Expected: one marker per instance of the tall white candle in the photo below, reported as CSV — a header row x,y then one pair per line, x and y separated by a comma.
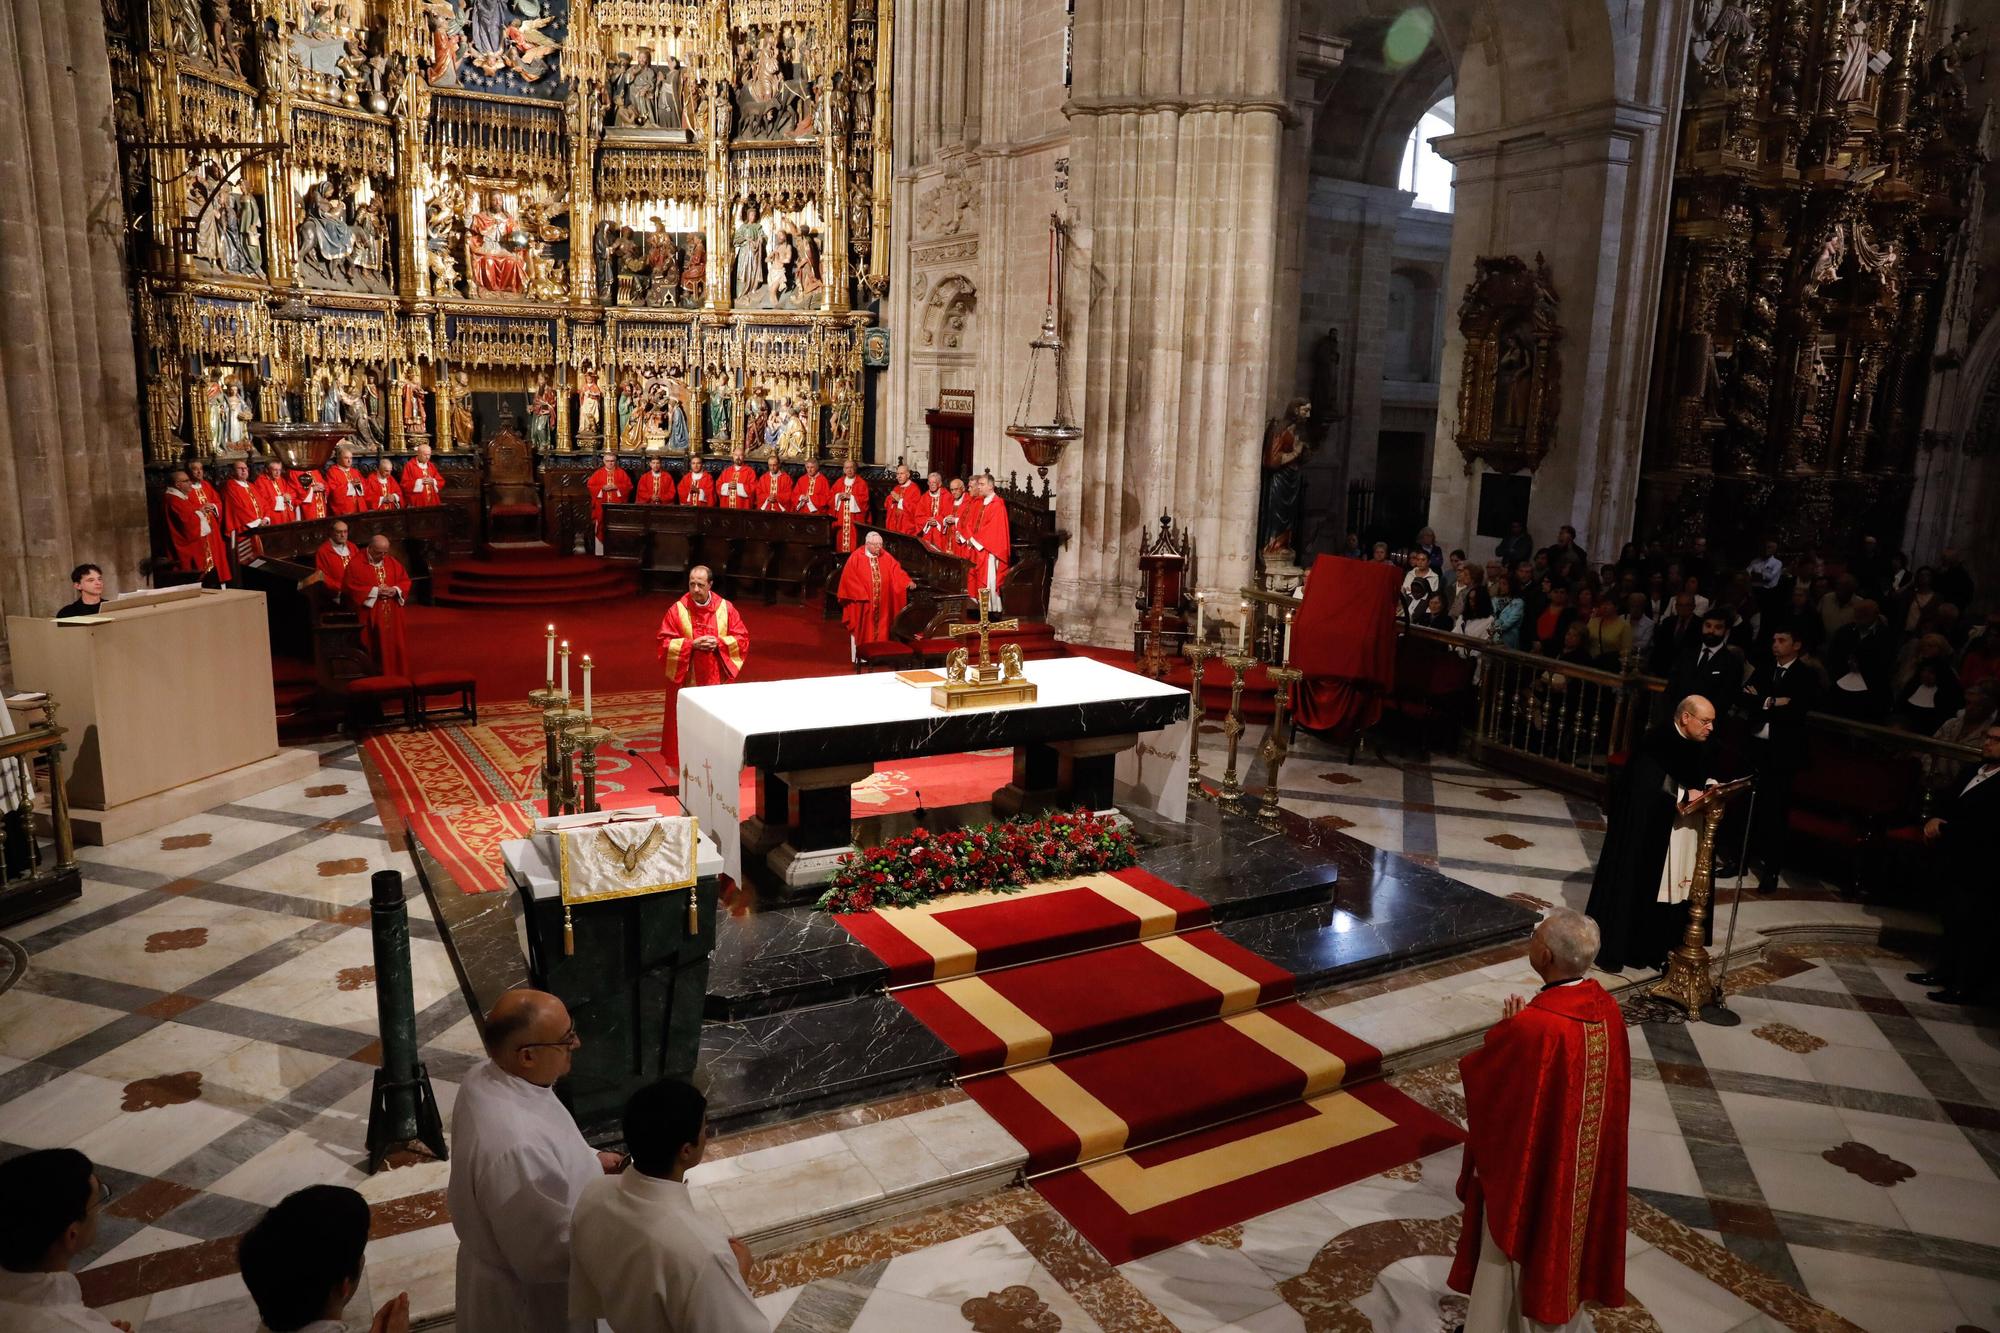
x,y
1288,640
1242,627
565,666
1199,599
586,687
549,673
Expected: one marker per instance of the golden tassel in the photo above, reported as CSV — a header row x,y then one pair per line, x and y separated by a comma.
x,y
569,932
694,913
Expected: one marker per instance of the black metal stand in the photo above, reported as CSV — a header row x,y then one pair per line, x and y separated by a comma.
x,y
402,1112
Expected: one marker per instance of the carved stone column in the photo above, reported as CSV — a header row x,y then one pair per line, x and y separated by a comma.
x,y
72,482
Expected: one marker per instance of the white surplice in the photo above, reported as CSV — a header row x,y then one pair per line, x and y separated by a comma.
x,y
518,1163
46,1303
644,1261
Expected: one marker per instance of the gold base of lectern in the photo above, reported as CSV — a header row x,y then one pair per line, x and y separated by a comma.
x,y
956,696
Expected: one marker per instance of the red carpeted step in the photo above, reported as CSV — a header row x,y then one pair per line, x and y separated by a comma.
x,y
534,581
924,944
1081,1107
1066,1004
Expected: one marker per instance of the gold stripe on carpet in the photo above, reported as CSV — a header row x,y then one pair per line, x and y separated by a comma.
x,y
1135,1188
953,957
1322,1068
1155,917
950,956
1025,1038
1096,1126
1238,991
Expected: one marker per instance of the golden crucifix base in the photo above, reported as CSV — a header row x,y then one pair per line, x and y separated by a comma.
x,y
957,695
984,683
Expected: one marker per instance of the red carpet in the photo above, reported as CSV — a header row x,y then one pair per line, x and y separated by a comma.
x,y
535,580
1158,1072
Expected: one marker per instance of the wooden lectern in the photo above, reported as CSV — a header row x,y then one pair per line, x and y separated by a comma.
x,y
157,698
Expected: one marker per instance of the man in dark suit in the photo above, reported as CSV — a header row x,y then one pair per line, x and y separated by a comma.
x,y
1962,833
1673,634
1780,694
1712,667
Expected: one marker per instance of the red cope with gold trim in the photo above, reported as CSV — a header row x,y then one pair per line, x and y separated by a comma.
x,y
774,492
383,491
899,508
1547,1098
194,524
346,493
737,487
985,537
423,484
279,498
698,489
607,486
872,595
656,488
686,621
811,495
933,507
332,565
382,623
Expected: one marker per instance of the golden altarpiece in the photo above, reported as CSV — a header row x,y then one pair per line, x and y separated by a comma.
x,y
1826,164
635,224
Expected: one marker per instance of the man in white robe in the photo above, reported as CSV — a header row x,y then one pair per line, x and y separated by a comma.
x,y
518,1163
642,1259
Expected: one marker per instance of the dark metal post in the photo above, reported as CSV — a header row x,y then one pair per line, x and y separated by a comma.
x,y
402,1114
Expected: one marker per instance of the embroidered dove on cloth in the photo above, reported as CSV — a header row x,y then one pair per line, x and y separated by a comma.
x,y
627,857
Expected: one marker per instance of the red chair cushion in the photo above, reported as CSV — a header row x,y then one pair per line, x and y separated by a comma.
x,y
376,686
443,680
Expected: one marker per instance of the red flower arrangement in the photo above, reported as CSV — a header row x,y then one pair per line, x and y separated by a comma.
x,y
1000,857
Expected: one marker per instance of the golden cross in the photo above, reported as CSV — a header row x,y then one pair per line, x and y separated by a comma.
x,y
983,628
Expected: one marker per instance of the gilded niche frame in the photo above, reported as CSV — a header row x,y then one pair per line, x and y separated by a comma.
x,y
1511,384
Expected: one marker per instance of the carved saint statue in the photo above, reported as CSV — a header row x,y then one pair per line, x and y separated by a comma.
x,y
1284,483
542,414
1513,380
461,410
694,271
411,391
589,406
1853,83
676,416
326,239
749,241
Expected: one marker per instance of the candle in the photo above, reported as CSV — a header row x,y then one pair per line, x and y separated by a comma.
x,y
1199,598
549,672
565,666
1288,638
1242,626
586,687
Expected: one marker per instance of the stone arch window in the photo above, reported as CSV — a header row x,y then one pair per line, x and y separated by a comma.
x,y
1424,172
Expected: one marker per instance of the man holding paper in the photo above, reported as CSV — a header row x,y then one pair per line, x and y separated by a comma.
x,y
703,641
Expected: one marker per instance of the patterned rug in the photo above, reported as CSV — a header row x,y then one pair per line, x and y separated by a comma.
x,y
465,788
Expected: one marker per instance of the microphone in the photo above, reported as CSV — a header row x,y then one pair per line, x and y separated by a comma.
x,y
666,787
919,815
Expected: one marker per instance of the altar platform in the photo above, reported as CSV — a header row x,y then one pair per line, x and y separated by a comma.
x,y
798,1020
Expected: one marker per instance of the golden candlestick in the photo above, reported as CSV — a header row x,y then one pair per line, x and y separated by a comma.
x,y
1198,654
1231,794
586,739
1275,747
1687,982
549,699
568,721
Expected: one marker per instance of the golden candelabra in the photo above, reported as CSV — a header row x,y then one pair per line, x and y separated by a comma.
x,y
586,739
1198,654
551,701
1275,747
1231,794
1687,982
568,721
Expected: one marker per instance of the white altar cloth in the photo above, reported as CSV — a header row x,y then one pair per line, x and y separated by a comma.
x,y
715,721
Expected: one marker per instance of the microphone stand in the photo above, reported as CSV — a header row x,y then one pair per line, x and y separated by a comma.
x,y
665,788
1717,1010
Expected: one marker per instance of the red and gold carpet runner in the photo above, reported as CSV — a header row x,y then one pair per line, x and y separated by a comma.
x,y
1160,1078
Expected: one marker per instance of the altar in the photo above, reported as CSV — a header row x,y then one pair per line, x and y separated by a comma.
x,y
1091,727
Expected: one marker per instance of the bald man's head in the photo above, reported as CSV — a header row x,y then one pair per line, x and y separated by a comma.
x,y
529,1034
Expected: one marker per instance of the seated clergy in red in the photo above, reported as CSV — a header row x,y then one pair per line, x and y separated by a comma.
x,y
279,498
195,526
377,588
345,491
697,487
382,490
810,493
333,557
310,487
899,506
873,591
656,484
932,510
242,508
703,641
423,484
607,486
736,488
985,538
1547,1098
774,488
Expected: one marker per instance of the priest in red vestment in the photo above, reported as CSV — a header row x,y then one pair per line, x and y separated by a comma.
x,y
333,557
737,487
242,509
346,493
899,506
423,484
774,488
1547,1097
850,506
378,587
810,493
310,487
194,522
697,486
607,486
277,495
986,539
703,641
381,490
873,591
932,510
656,484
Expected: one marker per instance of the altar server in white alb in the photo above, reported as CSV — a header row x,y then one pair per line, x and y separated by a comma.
x,y
642,1259
518,1163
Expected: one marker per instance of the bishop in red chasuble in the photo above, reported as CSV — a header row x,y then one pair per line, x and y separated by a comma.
x,y
1547,1099
377,588
873,592
703,641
